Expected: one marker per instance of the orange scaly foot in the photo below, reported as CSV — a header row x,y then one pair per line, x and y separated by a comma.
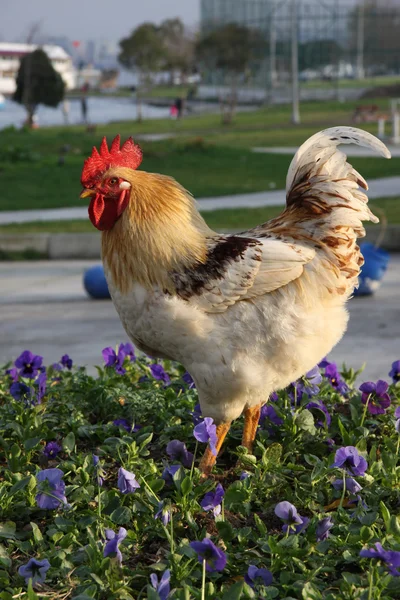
x,y
208,460
251,418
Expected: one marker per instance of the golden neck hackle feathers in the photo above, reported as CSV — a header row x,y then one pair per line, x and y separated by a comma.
x,y
159,232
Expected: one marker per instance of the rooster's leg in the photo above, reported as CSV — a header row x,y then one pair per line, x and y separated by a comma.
x,y
251,418
208,460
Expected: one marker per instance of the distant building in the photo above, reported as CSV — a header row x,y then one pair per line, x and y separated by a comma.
x,y
10,57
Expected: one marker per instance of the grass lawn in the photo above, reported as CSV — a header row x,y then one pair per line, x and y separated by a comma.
x,y
207,158
229,219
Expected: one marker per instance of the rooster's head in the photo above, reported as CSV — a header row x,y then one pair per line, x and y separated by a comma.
x,y
103,181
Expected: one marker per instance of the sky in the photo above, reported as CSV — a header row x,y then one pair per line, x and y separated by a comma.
x,y
89,19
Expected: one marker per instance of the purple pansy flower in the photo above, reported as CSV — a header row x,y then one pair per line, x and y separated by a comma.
x,y
177,451
187,378
98,469
397,412
269,412
66,362
41,382
395,371
197,416
51,449
162,587
126,425
352,485
127,483
349,458
212,500
20,391
51,489
159,373
215,558
293,521
13,373
163,514
112,359
243,475
28,364
335,379
112,546
397,426
390,557
169,472
376,395
255,577
205,432
320,406
323,528
128,350
35,570
273,397
308,384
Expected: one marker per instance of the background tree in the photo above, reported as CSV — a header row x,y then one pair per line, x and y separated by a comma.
x,y
142,52
178,46
38,83
230,49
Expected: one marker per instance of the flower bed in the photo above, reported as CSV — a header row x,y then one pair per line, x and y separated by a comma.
x,y
100,495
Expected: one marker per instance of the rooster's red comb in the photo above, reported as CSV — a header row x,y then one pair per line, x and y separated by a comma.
x,y
128,155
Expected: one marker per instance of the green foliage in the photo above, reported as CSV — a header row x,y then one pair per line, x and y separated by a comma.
x,y
143,49
291,462
38,82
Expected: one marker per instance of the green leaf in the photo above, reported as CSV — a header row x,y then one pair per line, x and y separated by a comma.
x,y
310,592
152,594
186,486
121,515
31,593
260,525
343,432
37,534
234,592
394,526
366,534
5,559
32,442
305,421
20,485
8,529
225,530
68,443
385,515
272,456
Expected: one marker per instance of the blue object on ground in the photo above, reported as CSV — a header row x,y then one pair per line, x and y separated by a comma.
x,y
95,283
373,270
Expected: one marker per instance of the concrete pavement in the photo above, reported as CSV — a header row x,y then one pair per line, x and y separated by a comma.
x,y
378,188
44,308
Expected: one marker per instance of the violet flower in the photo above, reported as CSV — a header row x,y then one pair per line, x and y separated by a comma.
x,y
162,587
66,362
197,416
13,373
293,521
29,364
187,378
112,359
128,350
159,373
352,485
177,450
256,577
308,384
349,458
215,557
206,432
126,425
20,391
98,470
397,412
51,449
169,472
163,514
34,569
112,546
376,395
335,379
390,557
269,412
127,483
395,371
41,382
319,406
323,528
51,489
212,500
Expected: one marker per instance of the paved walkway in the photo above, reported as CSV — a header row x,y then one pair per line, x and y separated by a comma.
x,y
44,308
351,150
378,188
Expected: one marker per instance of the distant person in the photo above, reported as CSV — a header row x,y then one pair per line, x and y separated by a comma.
x,y
173,111
84,109
179,107
65,111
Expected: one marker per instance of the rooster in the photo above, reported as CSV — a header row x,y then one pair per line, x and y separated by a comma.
x,y
245,314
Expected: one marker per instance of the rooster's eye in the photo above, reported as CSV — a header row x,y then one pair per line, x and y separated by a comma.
x,y
113,181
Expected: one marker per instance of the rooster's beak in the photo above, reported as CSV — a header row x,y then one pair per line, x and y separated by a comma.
x,y
86,193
